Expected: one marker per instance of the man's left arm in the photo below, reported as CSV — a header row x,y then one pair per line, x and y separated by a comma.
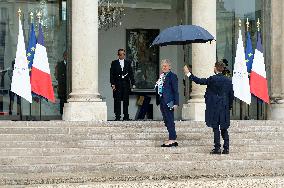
x,y
231,95
131,75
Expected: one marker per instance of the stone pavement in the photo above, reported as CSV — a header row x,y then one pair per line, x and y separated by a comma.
x,y
254,182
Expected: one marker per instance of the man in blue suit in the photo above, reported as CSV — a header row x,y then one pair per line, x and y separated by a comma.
x,y
167,88
219,98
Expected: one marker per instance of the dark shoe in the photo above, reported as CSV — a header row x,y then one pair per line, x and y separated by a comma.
x,y
126,119
175,144
216,151
225,151
117,119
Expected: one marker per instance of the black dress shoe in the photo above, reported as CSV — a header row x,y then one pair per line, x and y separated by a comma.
x,y
126,119
225,151
117,119
175,144
216,151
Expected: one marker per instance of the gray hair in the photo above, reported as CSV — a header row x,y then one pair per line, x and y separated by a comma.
x,y
167,61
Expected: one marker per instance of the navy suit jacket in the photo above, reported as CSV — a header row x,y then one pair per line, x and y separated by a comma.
x,y
170,89
219,98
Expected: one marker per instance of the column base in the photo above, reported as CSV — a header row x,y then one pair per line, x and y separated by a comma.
x,y
193,111
276,111
85,111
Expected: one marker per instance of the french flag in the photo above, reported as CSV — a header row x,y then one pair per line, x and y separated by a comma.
x,y
258,80
41,82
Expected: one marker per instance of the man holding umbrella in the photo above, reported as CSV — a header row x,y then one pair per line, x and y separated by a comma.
x,y
219,98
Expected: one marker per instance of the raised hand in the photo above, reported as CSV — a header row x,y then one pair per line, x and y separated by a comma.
x,y
186,70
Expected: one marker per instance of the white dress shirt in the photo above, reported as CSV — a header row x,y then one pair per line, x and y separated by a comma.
x,y
121,62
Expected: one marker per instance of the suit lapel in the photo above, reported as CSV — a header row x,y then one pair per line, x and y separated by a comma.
x,y
167,79
118,67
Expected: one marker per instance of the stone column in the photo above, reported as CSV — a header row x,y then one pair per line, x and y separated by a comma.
x,y
203,58
276,23
85,103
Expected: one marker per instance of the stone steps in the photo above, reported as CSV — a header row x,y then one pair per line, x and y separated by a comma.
x,y
149,129
89,180
73,152
133,150
136,136
237,182
13,161
138,124
182,143
133,143
215,167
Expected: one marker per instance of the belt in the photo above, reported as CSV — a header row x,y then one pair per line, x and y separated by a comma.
x,y
123,76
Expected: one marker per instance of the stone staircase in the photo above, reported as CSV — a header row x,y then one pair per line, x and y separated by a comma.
x,y
53,152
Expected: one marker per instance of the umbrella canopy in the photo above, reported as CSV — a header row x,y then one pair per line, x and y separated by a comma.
x,y
182,34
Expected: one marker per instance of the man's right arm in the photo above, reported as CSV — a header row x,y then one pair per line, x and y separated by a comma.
x,y
112,79
201,81
111,74
56,71
231,95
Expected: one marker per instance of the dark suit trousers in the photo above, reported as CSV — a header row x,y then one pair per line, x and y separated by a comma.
x,y
168,117
225,136
63,100
11,104
124,96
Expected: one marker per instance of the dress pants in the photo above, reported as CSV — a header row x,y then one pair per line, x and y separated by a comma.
x,y
124,96
63,100
168,117
225,136
11,104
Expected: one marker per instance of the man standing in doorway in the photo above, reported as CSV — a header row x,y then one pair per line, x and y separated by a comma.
x,y
60,75
12,95
121,79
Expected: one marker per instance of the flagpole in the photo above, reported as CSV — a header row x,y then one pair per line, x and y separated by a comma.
x,y
39,17
247,23
20,14
258,25
32,17
39,108
232,59
241,103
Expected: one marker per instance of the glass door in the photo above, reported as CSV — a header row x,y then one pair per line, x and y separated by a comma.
x,y
54,22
